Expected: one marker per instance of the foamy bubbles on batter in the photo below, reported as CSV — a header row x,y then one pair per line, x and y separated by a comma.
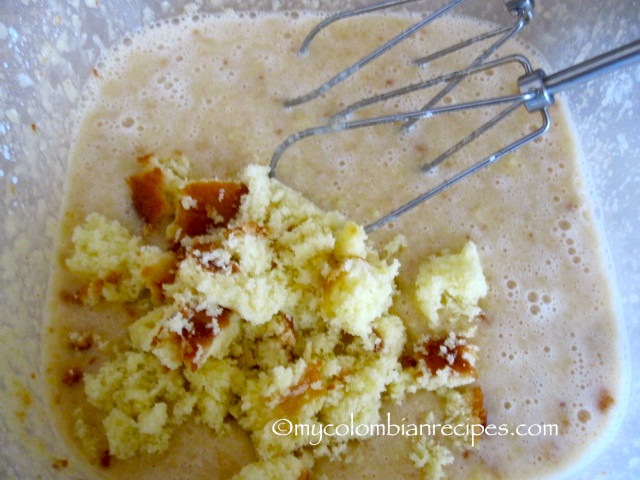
x,y
166,80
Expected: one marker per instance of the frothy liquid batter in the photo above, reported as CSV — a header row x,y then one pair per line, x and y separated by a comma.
x,y
213,87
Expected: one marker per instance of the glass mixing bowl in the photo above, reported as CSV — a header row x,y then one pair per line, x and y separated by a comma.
x,y
48,48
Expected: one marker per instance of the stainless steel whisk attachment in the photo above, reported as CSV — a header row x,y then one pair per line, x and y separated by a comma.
x,y
521,9
536,91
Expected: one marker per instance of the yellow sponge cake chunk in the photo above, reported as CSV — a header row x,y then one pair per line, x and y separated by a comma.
x,y
450,285
275,311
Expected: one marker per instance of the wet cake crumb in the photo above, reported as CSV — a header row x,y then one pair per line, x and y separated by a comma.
x,y
262,307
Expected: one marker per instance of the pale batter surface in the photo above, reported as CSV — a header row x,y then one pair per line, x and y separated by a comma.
x,y
212,88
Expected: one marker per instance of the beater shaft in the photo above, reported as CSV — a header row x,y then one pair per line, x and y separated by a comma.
x,y
548,86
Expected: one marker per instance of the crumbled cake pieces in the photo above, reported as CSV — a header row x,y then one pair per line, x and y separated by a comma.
x,y
264,307
352,283
134,391
449,287
111,260
462,410
186,335
154,189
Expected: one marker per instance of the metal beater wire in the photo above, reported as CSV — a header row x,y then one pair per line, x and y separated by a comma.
x,y
513,101
537,92
347,72
337,124
524,16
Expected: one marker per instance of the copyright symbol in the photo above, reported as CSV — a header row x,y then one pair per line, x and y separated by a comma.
x,y
282,427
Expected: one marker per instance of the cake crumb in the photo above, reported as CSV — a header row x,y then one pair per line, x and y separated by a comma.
x,y
264,307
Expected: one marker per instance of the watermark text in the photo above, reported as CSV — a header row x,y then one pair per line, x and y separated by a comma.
x,y
317,432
